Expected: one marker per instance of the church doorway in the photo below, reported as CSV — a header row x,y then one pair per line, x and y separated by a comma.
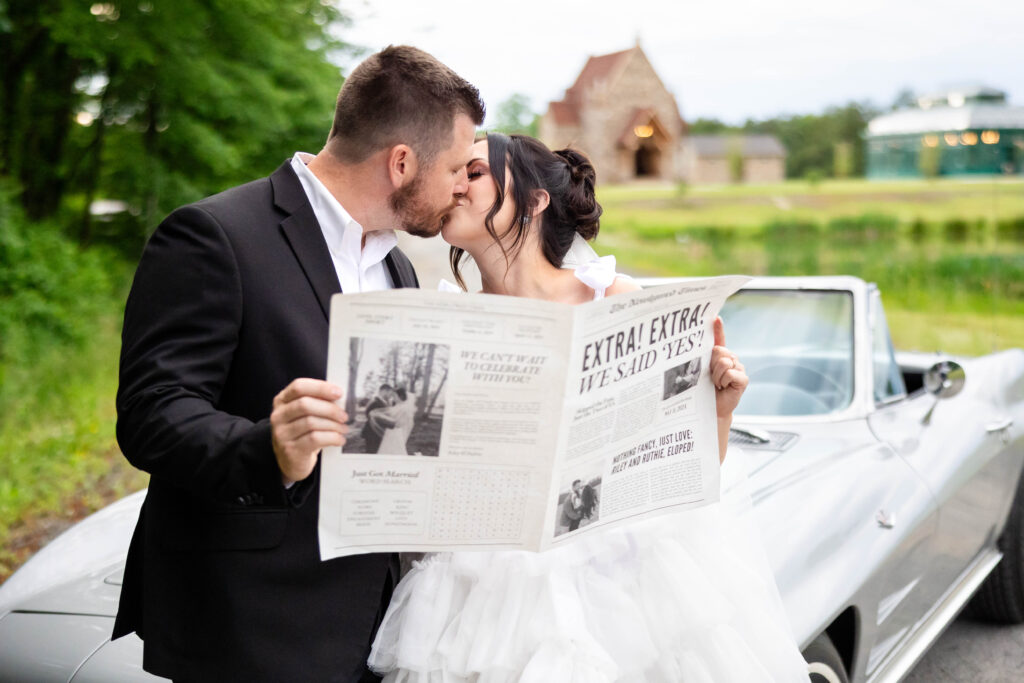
x,y
647,161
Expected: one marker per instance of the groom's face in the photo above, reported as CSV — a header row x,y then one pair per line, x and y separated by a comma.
x,y
422,204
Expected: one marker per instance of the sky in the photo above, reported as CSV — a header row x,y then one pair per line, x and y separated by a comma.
x,y
724,59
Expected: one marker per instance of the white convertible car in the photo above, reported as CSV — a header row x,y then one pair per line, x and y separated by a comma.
x,y
887,486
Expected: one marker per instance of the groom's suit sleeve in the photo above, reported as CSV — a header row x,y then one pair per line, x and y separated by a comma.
x,y
181,327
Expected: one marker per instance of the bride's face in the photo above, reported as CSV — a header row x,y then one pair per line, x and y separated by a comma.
x,y
465,225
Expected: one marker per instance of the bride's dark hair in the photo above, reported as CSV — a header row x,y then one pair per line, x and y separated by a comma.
x,y
566,175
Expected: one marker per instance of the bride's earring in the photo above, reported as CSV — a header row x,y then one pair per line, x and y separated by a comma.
x,y
526,220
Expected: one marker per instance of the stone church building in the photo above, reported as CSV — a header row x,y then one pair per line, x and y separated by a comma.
x,y
621,115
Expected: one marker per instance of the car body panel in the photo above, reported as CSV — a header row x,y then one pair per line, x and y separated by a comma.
x,y
58,644
118,661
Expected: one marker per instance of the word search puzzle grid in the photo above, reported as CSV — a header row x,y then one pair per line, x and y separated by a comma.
x,y
474,504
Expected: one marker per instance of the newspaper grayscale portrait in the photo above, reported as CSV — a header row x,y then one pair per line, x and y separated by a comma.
x,y
681,377
395,396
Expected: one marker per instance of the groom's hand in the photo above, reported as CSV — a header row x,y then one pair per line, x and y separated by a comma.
x,y
305,419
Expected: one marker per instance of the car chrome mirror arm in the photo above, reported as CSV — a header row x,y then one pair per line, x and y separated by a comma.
x,y
945,379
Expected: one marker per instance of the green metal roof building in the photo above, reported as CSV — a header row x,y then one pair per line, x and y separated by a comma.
x,y
956,132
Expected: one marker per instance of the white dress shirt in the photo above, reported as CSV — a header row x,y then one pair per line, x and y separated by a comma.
x,y
360,266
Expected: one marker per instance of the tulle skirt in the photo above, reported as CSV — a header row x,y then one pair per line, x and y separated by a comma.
x,y
688,596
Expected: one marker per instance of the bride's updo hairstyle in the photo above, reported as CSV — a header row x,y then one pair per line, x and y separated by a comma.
x,y
566,175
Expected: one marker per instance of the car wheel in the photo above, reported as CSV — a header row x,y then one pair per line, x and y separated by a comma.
x,y
824,664
1001,596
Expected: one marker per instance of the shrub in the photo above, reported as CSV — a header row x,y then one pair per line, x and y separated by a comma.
x,y
1011,229
51,292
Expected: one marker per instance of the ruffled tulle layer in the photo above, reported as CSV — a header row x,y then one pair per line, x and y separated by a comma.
x,y
684,597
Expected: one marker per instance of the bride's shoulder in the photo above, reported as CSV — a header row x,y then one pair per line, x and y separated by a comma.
x,y
622,283
600,274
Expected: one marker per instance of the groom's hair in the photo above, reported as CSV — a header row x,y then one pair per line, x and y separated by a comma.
x,y
400,95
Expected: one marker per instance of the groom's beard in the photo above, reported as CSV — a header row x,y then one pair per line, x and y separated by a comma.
x,y
415,215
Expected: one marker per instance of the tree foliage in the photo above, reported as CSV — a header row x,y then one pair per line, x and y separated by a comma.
x,y
159,103
515,115
812,141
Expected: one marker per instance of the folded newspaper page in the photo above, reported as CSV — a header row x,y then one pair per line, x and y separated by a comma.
x,y
484,422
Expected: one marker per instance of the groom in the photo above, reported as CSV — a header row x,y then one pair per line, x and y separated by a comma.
x,y
221,397
385,398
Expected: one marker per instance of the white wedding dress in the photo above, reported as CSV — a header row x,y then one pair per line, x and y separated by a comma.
x,y
685,597
393,441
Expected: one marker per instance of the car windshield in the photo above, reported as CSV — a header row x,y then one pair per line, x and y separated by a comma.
x,y
797,347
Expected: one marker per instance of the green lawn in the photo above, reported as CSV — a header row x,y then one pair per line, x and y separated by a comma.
x,y
747,206
948,255
60,459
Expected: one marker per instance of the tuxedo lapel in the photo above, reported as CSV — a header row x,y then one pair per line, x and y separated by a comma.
x,y
401,270
303,233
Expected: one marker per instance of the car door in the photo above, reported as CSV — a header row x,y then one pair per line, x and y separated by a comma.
x,y
947,445
909,589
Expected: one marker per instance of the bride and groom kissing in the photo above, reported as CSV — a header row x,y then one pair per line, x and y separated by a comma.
x,y
390,417
222,400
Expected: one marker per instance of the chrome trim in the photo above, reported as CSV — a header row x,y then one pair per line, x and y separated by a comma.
x,y
758,435
932,626
999,426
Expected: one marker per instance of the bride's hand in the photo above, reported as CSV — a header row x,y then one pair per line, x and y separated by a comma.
x,y
727,374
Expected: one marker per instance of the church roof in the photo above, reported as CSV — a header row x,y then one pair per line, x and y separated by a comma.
x,y
599,68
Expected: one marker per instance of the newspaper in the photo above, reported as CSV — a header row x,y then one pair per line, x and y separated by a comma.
x,y
486,422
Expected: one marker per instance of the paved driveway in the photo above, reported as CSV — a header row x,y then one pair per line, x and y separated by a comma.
x,y
973,652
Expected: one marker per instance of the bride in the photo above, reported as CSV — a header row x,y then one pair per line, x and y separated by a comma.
x,y
395,423
686,596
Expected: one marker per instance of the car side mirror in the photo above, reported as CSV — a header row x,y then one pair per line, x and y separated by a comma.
x,y
945,379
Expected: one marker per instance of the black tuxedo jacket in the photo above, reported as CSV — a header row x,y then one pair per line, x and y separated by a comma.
x,y
371,437
224,581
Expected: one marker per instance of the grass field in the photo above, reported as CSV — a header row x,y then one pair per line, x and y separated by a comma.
x,y
948,255
755,205
59,459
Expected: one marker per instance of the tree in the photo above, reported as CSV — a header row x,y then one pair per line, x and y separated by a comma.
x,y
514,115
842,161
708,127
734,157
421,403
159,103
929,160
904,99
355,357
810,139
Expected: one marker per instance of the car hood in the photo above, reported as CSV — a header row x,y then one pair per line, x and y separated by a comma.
x,y
79,571
95,594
